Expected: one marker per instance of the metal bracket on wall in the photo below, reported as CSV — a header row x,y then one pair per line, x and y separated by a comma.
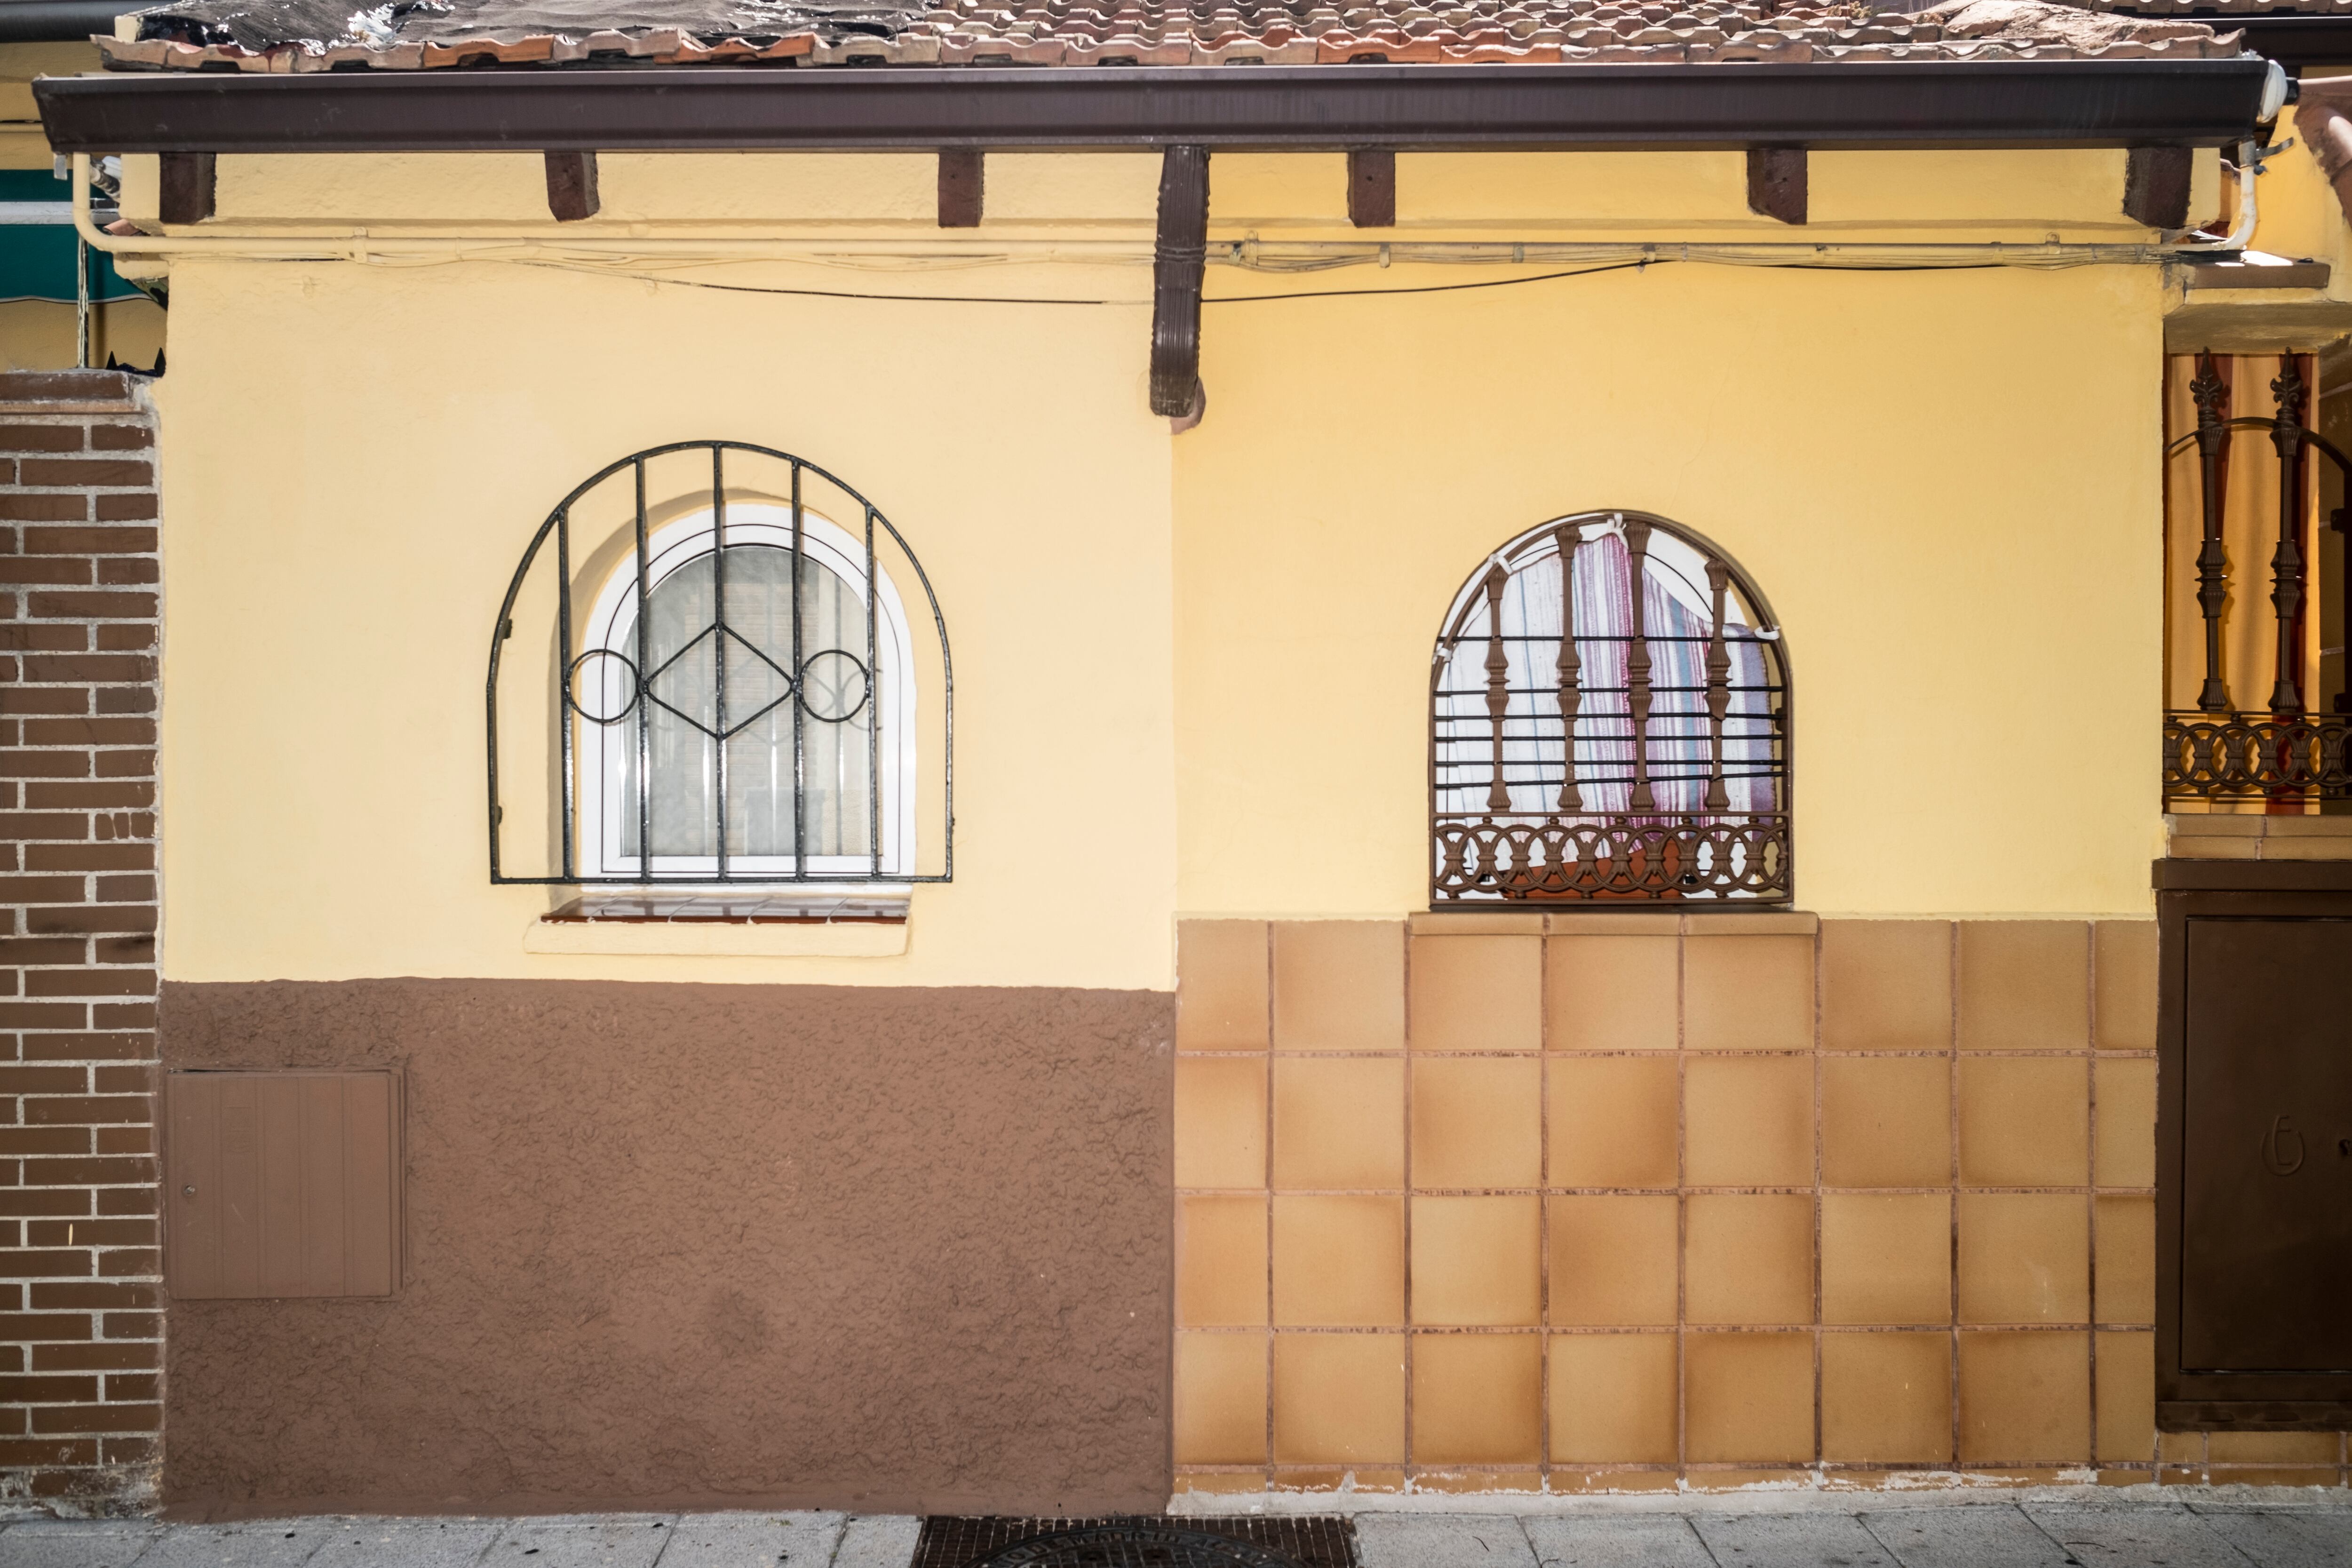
x,y
1179,258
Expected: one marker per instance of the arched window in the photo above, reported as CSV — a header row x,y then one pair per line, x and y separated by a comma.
x,y
1609,719
738,693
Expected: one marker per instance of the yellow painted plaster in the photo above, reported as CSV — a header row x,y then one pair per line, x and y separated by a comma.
x,y
1191,668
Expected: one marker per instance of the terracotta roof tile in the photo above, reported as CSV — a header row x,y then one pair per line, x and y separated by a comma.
x,y
426,35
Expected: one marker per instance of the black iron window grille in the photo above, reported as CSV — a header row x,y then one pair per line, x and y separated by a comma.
x,y
2292,753
724,684
1609,719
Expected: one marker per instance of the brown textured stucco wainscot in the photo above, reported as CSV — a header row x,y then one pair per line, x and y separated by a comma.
x,y
712,1246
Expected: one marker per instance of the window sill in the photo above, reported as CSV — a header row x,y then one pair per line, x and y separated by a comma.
x,y
725,925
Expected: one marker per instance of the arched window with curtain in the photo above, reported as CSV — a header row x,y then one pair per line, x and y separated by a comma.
x,y
734,689
1609,720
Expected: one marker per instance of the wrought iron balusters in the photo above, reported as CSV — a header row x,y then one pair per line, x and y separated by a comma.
x,y
2287,757
2213,397
1647,756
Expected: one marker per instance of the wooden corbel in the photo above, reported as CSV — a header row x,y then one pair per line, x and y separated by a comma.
x,y
962,186
1371,187
1179,258
1776,183
187,183
2155,186
572,185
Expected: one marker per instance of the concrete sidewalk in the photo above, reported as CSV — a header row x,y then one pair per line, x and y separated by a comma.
x,y
2211,1531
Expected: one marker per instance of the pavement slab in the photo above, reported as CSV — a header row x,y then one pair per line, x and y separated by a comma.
x,y
2286,1537
595,1540
1810,1540
250,1543
406,1544
1616,1540
878,1541
1981,1535
2135,1535
74,1542
1442,1540
752,1541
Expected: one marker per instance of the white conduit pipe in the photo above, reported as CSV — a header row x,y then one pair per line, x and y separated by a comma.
x,y
1296,255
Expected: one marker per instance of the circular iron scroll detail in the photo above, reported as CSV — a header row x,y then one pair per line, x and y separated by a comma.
x,y
1133,1546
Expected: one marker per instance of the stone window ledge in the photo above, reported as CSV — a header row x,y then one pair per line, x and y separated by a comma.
x,y
726,925
2236,835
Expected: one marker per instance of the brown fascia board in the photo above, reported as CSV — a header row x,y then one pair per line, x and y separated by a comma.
x,y
2294,39
1855,104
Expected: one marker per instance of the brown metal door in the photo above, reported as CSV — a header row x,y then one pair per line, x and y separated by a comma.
x,y
283,1183
2267,1157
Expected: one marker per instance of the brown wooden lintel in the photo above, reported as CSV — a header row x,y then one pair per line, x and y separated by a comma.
x,y
187,187
1777,182
572,186
2155,186
1371,187
963,175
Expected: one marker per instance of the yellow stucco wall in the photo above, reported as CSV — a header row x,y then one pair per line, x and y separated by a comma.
x,y
1191,668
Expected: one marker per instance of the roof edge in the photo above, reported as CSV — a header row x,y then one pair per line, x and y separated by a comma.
x,y
1849,104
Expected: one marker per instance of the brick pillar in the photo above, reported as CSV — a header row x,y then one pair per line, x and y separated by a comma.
x,y
80,1260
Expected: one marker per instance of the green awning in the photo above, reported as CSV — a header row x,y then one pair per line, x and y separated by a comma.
x,y
37,259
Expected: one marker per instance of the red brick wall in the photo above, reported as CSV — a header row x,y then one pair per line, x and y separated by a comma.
x,y
80,1265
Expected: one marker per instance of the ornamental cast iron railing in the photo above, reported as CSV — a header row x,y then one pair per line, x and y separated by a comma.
x,y
2286,754
719,684
1609,720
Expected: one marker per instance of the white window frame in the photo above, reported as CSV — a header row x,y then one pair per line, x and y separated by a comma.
x,y
612,627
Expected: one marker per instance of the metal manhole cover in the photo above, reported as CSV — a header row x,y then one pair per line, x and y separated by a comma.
x,y
1132,1546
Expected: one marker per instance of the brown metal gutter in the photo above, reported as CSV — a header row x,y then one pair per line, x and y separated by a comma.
x,y
1888,104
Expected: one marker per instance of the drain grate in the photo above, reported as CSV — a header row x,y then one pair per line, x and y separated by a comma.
x,y
1304,1542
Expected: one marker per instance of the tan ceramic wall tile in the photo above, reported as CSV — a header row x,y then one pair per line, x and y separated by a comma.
x,y
2124,952
1219,1122
1887,1259
1477,1121
1338,1262
2025,985
1747,993
1476,994
1612,993
2266,1447
2025,1398
2024,1258
1338,1122
1477,1262
1612,1122
2126,1397
1614,1399
1477,1399
2124,1232
1886,985
1886,1398
2125,1155
1748,1120
1748,1398
1749,1259
1886,1121
2025,1121
1612,1261
1220,1416
1220,1261
1339,1399
1339,985
1221,977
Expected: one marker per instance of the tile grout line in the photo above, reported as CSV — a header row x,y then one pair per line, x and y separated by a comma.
x,y
1266,1477
1952,961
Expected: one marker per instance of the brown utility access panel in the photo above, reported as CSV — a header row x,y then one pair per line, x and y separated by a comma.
x,y
2254,1145
282,1184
